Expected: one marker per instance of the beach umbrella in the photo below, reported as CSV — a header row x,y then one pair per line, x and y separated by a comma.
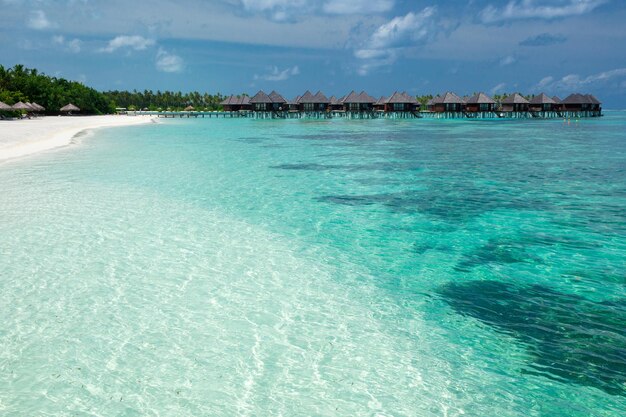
x,y
30,106
4,106
70,107
39,107
20,106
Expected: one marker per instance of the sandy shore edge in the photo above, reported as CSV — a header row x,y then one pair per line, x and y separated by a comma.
x,y
19,138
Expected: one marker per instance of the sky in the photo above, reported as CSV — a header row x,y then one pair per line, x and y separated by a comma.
x,y
237,46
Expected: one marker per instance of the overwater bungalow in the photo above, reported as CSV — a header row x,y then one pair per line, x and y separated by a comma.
x,y
558,103
401,102
362,102
379,106
480,102
430,104
293,105
273,102
313,103
278,102
335,104
261,102
515,103
541,103
581,104
448,103
237,103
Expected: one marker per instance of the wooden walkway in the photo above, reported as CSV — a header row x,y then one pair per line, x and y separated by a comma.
x,y
371,115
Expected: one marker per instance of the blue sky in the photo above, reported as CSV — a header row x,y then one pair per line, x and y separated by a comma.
x,y
234,46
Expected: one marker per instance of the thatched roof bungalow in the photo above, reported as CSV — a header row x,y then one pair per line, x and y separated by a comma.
x,y
380,104
541,102
309,102
237,103
401,102
362,102
272,102
449,102
515,103
580,102
480,102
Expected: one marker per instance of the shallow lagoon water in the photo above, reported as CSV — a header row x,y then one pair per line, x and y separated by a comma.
x,y
291,267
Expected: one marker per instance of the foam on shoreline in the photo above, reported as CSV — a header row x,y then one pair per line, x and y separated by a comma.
x,y
20,138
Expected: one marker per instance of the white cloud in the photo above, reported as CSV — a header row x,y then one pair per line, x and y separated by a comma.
x,y
167,62
387,42
357,6
138,43
507,60
529,9
73,45
573,82
498,88
277,10
545,81
39,21
277,75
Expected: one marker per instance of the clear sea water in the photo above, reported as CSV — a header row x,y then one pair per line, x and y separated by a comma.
x,y
318,268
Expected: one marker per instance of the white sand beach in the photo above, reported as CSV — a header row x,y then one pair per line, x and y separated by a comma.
x,y
28,136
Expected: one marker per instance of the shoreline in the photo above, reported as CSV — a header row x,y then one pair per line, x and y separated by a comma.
x,y
20,138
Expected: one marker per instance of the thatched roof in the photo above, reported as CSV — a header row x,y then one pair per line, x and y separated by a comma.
x,y
260,97
235,101
382,100
366,98
189,108
578,98
20,106
321,98
557,100
434,100
480,98
38,106
307,97
515,99
350,98
333,100
401,98
4,106
277,98
450,98
542,99
69,107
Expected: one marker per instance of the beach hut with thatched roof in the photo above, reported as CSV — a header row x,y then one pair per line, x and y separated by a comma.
x,y
480,102
541,102
189,108
449,102
69,108
401,102
515,103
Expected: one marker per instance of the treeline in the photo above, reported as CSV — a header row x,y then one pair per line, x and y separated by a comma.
x,y
29,85
164,100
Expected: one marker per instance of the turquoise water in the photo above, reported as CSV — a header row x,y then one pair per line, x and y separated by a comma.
x,y
318,268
